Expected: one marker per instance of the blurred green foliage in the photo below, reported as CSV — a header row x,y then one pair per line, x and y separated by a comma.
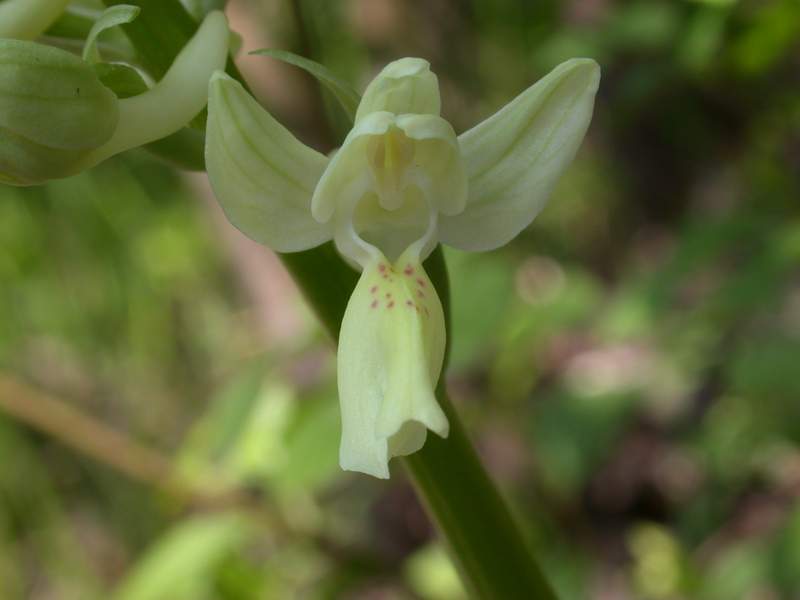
x,y
627,366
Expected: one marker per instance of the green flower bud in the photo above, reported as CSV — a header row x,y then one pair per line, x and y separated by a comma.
x,y
57,118
53,112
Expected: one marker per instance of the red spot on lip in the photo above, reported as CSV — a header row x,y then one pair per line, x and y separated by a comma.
x,y
421,283
373,289
390,305
409,303
420,294
381,267
374,304
408,270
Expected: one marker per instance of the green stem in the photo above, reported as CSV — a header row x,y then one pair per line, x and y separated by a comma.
x,y
493,558
484,540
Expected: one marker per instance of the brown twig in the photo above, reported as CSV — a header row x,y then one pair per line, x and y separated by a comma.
x,y
86,434
91,437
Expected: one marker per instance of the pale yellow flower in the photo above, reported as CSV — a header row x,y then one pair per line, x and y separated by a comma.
x,y
402,182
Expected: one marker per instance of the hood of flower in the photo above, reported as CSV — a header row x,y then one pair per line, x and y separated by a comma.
x,y
405,86
399,168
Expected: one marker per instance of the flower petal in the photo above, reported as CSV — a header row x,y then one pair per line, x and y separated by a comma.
x,y
438,150
515,157
388,178
348,166
403,86
28,19
261,174
391,348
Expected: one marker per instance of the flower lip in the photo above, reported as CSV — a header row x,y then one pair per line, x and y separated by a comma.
x,y
391,351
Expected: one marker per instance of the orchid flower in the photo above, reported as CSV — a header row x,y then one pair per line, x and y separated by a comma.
x,y
402,182
57,118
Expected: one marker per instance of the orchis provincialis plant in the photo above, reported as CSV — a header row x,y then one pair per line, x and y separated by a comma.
x,y
57,117
401,183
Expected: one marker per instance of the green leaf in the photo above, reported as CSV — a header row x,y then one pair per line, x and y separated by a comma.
x,y
348,98
181,563
312,444
111,17
220,446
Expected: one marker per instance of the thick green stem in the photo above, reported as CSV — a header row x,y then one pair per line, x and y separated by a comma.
x,y
485,542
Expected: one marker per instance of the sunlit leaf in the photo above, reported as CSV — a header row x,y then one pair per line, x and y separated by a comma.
x,y
180,565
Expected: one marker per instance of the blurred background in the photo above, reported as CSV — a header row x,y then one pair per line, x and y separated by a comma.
x,y
628,366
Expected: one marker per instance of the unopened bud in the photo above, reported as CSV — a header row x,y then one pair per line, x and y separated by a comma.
x,y
54,111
